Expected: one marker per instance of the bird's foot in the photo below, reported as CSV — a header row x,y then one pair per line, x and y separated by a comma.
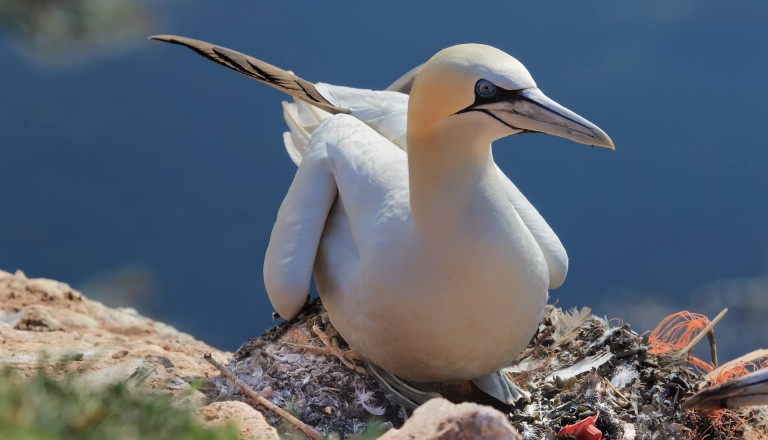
x,y
499,386
399,391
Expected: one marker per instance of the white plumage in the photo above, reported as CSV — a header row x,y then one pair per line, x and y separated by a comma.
x,y
429,260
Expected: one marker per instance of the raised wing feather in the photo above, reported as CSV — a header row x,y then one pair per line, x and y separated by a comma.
x,y
259,70
384,111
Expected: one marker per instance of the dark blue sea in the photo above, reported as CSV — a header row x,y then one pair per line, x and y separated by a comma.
x,y
147,176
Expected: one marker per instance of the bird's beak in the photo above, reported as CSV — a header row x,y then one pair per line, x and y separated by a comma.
x,y
532,111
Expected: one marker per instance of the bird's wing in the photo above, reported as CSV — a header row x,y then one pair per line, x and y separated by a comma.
x,y
270,75
385,112
554,252
346,159
296,234
302,119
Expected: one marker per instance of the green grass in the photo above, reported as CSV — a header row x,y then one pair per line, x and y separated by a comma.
x,y
61,408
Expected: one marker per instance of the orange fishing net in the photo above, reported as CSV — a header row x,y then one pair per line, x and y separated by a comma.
x,y
675,332
728,422
701,366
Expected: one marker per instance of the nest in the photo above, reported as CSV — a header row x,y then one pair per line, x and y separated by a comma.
x,y
320,383
577,366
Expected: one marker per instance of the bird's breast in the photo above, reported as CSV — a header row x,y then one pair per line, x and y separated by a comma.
x,y
443,305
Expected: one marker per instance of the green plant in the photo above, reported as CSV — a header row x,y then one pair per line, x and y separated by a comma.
x,y
47,407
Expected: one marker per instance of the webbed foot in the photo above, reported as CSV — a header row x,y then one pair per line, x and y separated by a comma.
x,y
398,390
501,387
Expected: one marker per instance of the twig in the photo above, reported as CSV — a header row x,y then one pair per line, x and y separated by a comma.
x,y
713,346
540,340
749,357
337,351
308,430
625,400
325,350
703,332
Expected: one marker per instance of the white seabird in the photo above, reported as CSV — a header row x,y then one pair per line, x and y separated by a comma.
x,y
430,262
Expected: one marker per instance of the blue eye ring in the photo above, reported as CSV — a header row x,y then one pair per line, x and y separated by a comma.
x,y
485,89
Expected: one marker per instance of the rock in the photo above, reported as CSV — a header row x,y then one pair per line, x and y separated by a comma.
x,y
38,318
440,419
44,316
45,319
250,422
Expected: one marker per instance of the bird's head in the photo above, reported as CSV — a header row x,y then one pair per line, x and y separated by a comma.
x,y
482,88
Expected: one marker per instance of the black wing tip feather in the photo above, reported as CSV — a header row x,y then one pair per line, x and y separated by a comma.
x,y
229,58
164,37
178,39
169,38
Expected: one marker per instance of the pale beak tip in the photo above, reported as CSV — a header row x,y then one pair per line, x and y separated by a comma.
x,y
603,140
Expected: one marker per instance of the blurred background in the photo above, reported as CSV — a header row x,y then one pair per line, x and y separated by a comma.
x,y
146,176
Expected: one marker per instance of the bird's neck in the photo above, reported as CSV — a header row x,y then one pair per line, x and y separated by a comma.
x,y
447,168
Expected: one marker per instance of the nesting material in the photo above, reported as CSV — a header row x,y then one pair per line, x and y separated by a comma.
x,y
291,366
637,394
577,366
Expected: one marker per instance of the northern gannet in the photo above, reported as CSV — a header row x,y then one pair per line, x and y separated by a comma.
x,y
430,262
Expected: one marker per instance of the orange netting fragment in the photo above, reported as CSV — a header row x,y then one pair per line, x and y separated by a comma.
x,y
732,373
700,365
675,332
728,422
741,369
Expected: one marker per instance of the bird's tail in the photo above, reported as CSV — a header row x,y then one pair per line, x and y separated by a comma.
x,y
270,75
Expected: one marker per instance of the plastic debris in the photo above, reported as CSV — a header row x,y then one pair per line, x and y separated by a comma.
x,y
583,429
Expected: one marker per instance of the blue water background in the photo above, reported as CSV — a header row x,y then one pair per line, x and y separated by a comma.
x,y
133,166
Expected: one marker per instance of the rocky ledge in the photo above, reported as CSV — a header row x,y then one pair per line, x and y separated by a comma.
x,y
588,378
45,319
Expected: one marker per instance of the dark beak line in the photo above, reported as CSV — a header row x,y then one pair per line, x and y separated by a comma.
x,y
511,96
474,108
482,110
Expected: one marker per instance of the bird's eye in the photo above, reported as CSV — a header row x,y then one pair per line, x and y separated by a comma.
x,y
485,89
